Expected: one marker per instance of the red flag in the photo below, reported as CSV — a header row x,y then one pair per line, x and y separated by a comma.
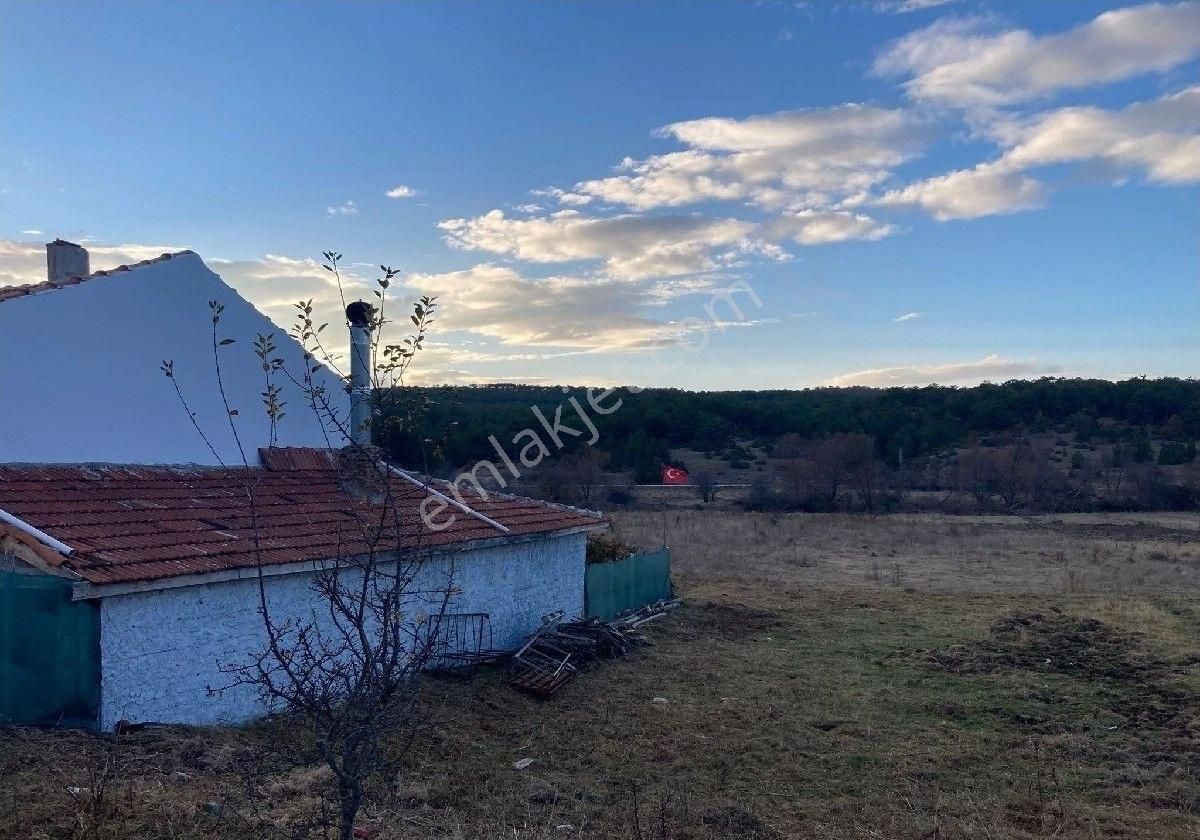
x,y
674,475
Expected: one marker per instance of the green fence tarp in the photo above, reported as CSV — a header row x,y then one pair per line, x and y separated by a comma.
x,y
49,653
612,588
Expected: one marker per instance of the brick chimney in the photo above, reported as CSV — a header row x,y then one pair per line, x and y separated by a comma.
x,y
65,260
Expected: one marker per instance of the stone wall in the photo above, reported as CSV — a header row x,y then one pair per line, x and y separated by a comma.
x,y
162,650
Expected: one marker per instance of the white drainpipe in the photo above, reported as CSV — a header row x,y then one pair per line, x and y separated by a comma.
x,y
455,503
41,536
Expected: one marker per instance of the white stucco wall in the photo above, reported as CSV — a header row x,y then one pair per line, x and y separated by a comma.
x,y
161,650
84,365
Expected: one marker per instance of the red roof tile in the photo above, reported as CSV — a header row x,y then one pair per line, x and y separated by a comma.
x,y
11,292
135,523
296,458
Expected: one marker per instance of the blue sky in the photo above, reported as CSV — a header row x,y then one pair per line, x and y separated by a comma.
x,y
1018,179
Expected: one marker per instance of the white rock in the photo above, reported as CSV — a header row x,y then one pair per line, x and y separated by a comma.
x,y
521,764
660,699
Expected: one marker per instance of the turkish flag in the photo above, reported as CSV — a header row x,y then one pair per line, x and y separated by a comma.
x,y
674,475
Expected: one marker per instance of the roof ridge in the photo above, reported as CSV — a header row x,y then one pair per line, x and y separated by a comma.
x,y
13,292
516,498
556,505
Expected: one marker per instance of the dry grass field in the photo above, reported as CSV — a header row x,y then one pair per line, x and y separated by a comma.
x,y
830,676
1109,554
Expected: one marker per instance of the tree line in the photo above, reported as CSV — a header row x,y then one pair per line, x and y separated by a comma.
x,y
899,423
1018,473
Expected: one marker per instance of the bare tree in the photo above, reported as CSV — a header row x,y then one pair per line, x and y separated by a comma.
x,y
1149,484
586,471
818,473
555,482
827,469
797,477
788,446
349,669
1112,473
861,468
976,471
705,482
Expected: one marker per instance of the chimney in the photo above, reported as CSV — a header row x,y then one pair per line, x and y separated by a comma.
x,y
360,315
65,260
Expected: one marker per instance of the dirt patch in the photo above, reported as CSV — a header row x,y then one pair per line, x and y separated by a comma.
x,y
1119,531
1132,684
732,621
1150,732
1054,643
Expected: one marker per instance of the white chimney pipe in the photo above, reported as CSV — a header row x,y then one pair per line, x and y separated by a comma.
x,y
65,260
360,314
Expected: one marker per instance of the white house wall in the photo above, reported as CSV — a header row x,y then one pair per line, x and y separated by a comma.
x,y
161,650
82,381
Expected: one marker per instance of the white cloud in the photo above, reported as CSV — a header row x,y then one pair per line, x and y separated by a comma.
x,y
991,368
564,197
574,313
630,247
666,181
908,316
814,227
900,7
1160,137
466,377
846,134
791,158
539,319
959,62
985,190
349,208
32,232
401,191
21,263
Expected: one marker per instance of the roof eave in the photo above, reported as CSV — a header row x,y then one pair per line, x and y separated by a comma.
x,y
87,590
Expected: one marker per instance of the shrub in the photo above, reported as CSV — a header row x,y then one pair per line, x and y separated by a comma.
x,y
1173,454
603,548
622,496
762,497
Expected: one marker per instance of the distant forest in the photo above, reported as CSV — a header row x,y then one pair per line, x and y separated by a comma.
x,y
913,421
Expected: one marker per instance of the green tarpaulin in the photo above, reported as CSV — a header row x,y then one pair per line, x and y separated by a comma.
x,y
612,588
49,653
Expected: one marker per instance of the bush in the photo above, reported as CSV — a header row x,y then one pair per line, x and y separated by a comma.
x,y
603,548
762,497
622,496
1142,451
1173,454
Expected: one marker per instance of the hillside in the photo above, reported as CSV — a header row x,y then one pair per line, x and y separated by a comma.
x,y
904,423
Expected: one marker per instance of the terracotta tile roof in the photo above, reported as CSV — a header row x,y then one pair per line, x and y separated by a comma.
x,y
296,458
135,523
11,292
